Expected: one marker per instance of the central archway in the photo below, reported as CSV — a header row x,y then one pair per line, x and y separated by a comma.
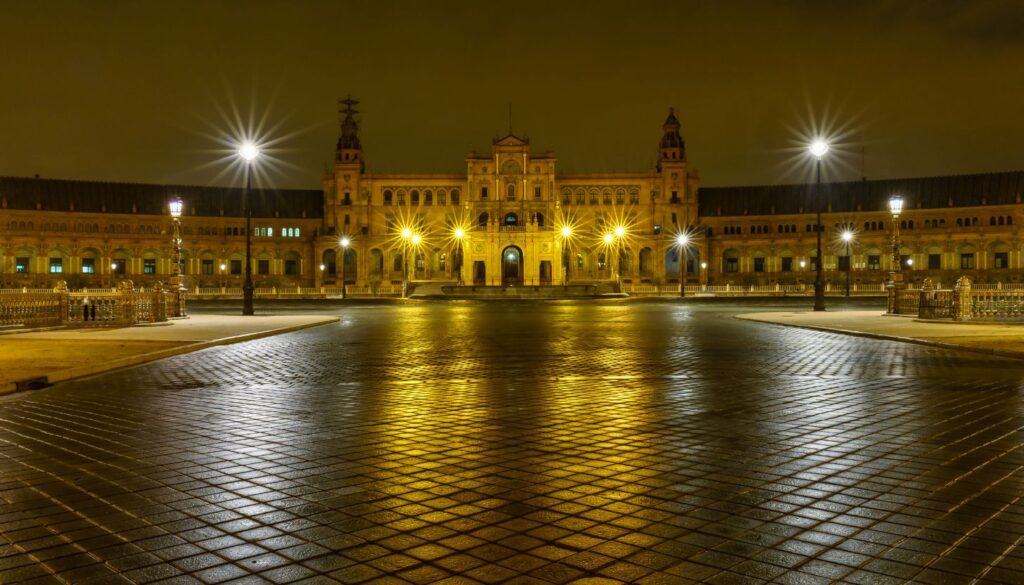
x,y
512,266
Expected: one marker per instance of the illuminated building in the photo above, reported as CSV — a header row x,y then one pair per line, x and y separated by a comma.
x,y
510,219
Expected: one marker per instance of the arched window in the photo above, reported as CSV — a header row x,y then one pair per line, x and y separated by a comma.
x,y
455,196
387,197
510,192
540,219
482,220
959,222
511,219
1002,220
414,197
992,220
1009,220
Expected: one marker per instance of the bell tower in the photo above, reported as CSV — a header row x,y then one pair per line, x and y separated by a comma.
x,y
348,168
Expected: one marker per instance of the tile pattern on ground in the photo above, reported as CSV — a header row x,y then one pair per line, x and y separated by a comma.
x,y
523,443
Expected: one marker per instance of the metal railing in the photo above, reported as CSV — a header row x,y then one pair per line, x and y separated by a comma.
x,y
124,305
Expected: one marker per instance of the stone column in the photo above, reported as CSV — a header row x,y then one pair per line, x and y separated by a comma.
x,y
962,306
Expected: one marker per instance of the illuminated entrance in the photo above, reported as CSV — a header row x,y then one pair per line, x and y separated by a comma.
x,y
512,266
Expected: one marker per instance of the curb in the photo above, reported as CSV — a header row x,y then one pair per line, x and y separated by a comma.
x,y
142,358
939,344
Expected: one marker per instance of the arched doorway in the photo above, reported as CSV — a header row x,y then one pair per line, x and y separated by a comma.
x,y
512,266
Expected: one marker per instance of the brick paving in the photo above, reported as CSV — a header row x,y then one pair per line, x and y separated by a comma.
x,y
523,443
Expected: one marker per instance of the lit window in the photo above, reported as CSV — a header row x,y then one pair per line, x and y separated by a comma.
x,y
88,265
270,232
21,264
149,266
56,265
263,266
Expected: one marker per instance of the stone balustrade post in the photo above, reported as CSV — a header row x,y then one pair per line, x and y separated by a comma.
x,y
159,303
61,290
926,300
962,305
125,301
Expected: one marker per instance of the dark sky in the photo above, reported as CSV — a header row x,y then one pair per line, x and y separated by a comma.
x,y
131,91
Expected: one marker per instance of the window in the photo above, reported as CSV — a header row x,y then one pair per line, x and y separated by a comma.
x,y
442,198
348,219
483,193
758,264
428,198
967,261
291,267
674,220
814,263
536,192
510,192
387,198
1002,260
56,265
207,266
414,198
934,261
88,265
149,266
121,266
236,267
844,263
455,197
732,264
675,197
787,264
263,266
21,264
874,262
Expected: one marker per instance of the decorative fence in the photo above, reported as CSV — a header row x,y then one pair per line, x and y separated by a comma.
x,y
964,302
121,306
767,290
284,292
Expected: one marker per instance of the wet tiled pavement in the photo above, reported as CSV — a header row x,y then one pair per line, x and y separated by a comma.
x,y
524,443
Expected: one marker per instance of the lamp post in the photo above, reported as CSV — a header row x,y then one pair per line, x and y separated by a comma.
x,y
620,233
703,276
249,152
222,267
177,281
848,238
566,234
406,236
608,239
459,234
682,240
344,256
818,148
113,268
896,274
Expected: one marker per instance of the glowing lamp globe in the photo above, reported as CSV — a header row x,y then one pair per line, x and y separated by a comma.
x,y
345,242
248,151
416,239
682,239
896,204
566,231
620,231
406,233
459,233
847,236
176,206
818,148
607,238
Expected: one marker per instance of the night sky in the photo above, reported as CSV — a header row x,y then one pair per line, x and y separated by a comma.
x,y
133,91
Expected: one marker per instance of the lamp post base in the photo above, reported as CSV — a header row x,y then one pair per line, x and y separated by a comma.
x,y
247,295
819,295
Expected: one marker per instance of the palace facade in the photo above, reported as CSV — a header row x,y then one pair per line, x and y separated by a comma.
x,y
511,219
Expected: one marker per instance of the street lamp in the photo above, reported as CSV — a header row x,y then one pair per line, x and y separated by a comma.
x,y
344,256
566,235
248,152
848,238
818,149
682,240
896,274
459,234
177,281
